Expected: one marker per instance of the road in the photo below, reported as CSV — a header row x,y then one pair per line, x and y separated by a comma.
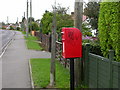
x,y
5,37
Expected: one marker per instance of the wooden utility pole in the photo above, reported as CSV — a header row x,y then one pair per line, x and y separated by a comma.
x,y
24,14
78,13
30,8
27,20
53,48
30,15
24,23
17,19
7,19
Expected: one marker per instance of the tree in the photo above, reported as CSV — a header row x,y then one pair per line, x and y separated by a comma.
x,y
47,22
34,26
61,10
86,30
11,28
92,11
23,26
63,20
18,28
3,23
31,19
109,28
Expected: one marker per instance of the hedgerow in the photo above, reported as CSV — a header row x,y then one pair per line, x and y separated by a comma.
x,y
109,28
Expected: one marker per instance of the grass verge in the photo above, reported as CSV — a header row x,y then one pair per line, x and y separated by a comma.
x,y
23,32
32,44
41,74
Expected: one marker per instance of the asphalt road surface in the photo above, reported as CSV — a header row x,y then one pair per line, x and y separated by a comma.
x,y
5,37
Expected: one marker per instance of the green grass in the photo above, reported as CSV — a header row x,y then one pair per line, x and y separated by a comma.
x,y
31,38
41,74
23,32
32,44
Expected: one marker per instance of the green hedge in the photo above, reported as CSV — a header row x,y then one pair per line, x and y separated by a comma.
x,y
94,46
109,28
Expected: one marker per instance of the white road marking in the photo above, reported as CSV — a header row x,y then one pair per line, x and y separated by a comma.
x,y
5,49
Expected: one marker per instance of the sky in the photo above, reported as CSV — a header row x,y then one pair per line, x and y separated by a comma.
x,y
16,8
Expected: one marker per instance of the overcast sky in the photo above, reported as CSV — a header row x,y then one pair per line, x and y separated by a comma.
x,y
16,8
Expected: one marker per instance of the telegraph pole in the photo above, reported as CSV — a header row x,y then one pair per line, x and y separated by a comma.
x,y
30,15
7,19
53,48
27,20
30,8
78,13
17,19
24,14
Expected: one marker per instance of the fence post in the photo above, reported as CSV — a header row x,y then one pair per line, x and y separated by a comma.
x,y
50,43
111,58
87,50
83,62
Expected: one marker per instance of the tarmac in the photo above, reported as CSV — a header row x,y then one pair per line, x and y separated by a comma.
x,y
15,63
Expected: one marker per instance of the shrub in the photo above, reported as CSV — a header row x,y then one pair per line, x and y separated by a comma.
x,y
109,28
34,26
94,45
3,28
11,28
18,28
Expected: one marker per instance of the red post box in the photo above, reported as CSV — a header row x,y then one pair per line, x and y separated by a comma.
x,y
72,43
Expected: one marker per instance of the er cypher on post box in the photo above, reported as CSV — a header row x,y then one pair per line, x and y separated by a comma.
x,y
72,43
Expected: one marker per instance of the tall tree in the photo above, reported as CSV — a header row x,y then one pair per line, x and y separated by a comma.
x,y
3,23
23,24
31,19
92,11
47,22
61,10
63,20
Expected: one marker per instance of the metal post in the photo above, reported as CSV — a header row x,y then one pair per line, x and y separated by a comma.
x,y
72,74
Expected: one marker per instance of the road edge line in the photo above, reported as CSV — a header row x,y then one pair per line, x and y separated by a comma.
x,y
8,43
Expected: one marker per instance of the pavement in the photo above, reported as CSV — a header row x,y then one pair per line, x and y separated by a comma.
x,y
15,63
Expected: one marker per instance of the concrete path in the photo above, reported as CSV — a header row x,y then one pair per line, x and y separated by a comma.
x,y
15,68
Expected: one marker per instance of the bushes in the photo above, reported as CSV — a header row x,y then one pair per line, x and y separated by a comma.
x,y
109,28
11,28
47,22
34,26
62,20
94,45
18,28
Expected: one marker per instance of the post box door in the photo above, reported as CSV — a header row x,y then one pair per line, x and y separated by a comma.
x,y
72,43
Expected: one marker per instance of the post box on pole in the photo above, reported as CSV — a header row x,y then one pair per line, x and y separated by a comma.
x,y
72,43
71,48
